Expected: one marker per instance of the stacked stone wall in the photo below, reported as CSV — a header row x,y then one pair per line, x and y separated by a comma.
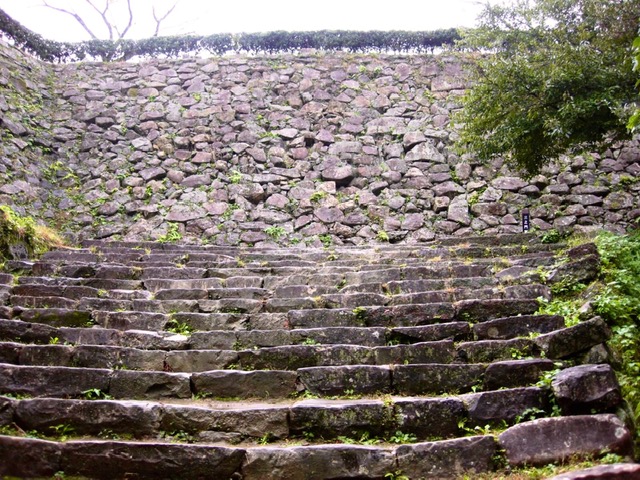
x,y
293,149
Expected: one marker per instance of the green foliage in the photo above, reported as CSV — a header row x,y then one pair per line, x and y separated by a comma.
x,y
382,236
396,475
96,394
551,236
618,302
235,177
634,121
274,231
400,437
569,309
16,229
317,196
219,44
180,328
557,78
173,234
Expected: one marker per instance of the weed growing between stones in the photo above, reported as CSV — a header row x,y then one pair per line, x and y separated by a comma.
x,y
18,230
614,296
173,234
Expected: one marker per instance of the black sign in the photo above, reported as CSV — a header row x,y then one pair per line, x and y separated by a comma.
x,y
525,221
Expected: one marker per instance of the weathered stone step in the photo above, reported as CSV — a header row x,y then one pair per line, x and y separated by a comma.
x,y
234,422
421,379
25,332
417,286
412,314
288,357
97,283
533,443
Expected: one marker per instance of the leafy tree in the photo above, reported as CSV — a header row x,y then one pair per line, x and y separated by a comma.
x,y
551,77
634,121
107,13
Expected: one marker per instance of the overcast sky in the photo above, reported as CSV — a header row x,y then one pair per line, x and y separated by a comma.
x,y
229,16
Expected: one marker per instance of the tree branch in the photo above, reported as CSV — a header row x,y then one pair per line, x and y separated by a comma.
x,y
124,32
161,19
74,15
103,14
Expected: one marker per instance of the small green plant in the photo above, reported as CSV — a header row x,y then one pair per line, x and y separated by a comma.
x,y
62,432
266,439
364,439
315,197
400,437
310,341
181,328
235,177
382,236
54,341
96,394
173,234
275,232
360,314
396,475
326,240
551,236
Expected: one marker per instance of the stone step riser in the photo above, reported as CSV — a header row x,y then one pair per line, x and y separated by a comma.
x,y
564,437
429,379
36,333
321,419
289,357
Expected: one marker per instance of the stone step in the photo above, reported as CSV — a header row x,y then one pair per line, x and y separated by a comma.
x,y
287,357
410,315
36,333
231,422
413,379
552,440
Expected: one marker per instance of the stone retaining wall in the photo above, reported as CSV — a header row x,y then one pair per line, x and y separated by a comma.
x,y
310,148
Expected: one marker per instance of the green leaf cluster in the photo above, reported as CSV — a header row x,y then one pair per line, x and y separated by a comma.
x,y
219,44
551,77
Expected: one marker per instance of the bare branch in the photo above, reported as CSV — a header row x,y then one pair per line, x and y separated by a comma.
x,y
124,32
161,19
74,15
103,14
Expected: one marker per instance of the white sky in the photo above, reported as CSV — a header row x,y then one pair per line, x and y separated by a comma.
x,y
234,16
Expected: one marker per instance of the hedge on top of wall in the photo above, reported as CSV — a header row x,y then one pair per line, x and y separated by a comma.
x,y
219,44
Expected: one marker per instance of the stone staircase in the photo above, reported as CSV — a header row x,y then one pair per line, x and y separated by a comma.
x,y
148,360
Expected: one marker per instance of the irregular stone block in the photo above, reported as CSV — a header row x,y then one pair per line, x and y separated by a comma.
x,y
587,388
318,462
331,418
199,360
43,355
28,457
425,352
515,373
257,384
621,471
436,379
483,310
370,337
447,458
511,327
56,317
429,333
7,408
569,341
429,417
149,460
245,421
486,351
52,381
89,417
551,440
149,385
360,379
507,405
